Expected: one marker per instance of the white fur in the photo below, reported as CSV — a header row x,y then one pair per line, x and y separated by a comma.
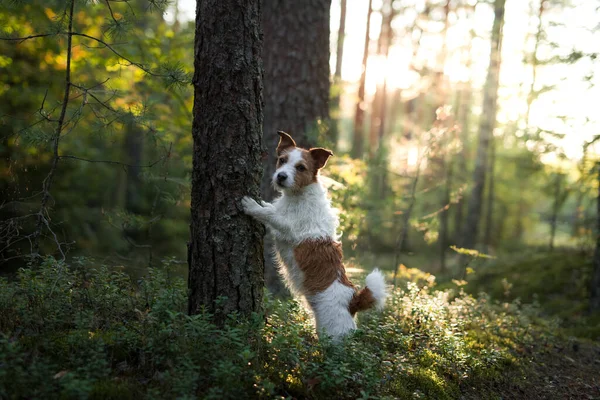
x,y
293,157
299,216
294,218
331,310
376,283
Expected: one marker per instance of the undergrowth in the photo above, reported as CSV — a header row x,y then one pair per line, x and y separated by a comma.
x,y
559,282
68,331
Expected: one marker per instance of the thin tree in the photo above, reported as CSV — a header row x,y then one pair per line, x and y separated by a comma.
x,y
595,282
359,116
559,196
531,96
535,61
296,62
225,252
489,214
379,104
486,129
337,78
340,42
446,156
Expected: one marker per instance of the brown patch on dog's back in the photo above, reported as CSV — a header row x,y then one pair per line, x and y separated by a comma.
x,y
321,262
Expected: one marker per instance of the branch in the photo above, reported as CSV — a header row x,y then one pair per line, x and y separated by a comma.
x,y
111,12
111,48
116,162
22,39
59,126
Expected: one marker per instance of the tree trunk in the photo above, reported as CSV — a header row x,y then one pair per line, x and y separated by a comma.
x,y
463,114
225,252
386,35
486,129
534,62
555,210
595,289
444,214
134,148
578,217
445,158
340,42
296,58
489,216
359,116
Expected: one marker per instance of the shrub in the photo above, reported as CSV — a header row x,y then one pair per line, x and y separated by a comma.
x,y
73,332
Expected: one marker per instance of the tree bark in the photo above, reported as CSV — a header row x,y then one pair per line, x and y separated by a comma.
x,y
379,105
595,289
534,62
134,148
486,129
296,59
359,116
555,209
489,216
340,42
225,252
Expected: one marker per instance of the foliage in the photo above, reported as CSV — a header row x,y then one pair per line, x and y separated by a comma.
x,y
71,331
126,127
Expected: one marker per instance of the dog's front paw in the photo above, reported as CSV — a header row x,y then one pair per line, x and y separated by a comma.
x,y
266,205
250,206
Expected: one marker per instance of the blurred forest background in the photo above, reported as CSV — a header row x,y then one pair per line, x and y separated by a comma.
x,y
465,133
467,167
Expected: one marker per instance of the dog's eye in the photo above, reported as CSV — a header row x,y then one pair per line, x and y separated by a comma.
x,y
282,160
301,168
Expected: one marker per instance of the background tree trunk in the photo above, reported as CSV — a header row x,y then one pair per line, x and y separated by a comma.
x,y
379,104
486,129
340,42
296,59
134,150
334,131
359,116
595,289
489,215
557,194
225,253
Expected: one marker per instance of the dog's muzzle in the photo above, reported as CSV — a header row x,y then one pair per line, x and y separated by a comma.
x,y
281,178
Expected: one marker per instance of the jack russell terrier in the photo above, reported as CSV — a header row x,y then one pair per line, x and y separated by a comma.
x,y
304,228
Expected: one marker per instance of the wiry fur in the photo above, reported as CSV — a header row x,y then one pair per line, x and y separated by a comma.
x,y
304,226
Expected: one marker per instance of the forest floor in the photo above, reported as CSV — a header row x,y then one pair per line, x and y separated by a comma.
x,y
84,331
561,370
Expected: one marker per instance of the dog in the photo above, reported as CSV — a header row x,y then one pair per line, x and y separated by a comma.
x,y
304,227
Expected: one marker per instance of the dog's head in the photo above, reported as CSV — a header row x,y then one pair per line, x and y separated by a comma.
x,y
297,167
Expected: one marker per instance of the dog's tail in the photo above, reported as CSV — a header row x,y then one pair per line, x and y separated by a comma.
x,y
372,295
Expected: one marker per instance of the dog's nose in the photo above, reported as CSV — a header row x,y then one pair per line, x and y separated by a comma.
x,y
282,176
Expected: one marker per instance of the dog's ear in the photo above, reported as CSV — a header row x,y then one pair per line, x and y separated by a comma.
x,y
285,142
320,156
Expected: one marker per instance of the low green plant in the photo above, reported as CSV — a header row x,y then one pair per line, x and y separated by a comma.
x,y
72,332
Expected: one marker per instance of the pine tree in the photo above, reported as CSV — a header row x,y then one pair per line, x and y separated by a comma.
x,y
225,252
486,130
296,57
